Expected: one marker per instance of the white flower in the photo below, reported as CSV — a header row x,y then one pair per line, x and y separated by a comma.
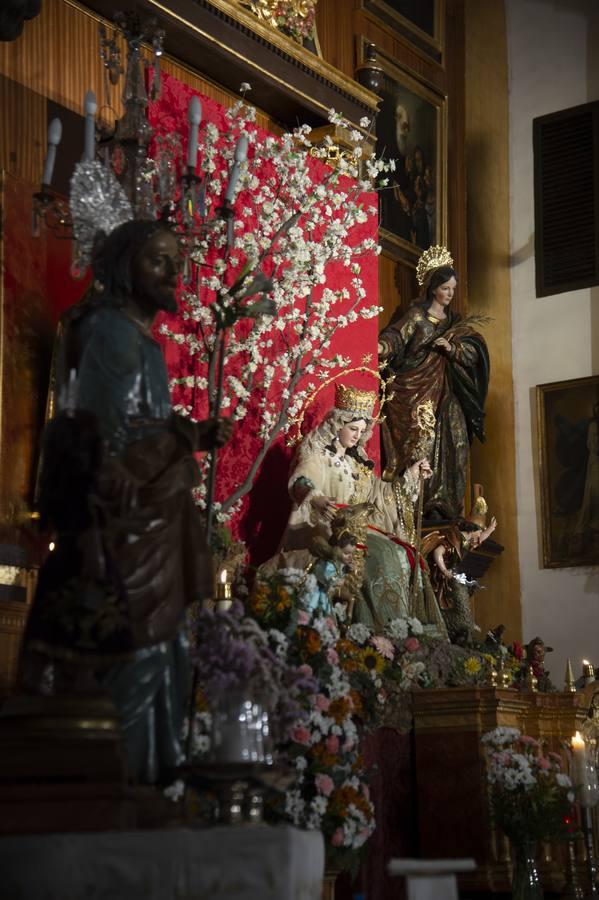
x,y
359,633
244,87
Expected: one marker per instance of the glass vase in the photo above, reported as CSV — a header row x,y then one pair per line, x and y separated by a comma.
x,y
526,883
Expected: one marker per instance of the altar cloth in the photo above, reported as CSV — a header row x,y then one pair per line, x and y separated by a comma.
x,y
254,862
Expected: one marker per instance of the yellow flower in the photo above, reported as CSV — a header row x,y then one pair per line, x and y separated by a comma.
x,y
472,665
372,660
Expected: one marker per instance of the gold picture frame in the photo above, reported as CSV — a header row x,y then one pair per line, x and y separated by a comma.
x,y
423,25
412,118
568,457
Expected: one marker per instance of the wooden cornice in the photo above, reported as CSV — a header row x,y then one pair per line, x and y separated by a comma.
x,y
227,44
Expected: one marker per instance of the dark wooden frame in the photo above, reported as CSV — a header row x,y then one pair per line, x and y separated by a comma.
x,y
548,474
395,246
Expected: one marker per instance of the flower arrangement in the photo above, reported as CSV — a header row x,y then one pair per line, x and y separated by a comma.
x,y
532,797
262,292
233,653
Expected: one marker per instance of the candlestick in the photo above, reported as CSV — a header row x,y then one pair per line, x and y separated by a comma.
x,y
194,117
241,152
588,672
90,106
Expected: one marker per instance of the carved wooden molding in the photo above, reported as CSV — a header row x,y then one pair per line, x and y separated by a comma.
x,y
228,44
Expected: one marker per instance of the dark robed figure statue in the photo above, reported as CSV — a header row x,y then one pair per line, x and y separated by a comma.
x,y
434,356
118,469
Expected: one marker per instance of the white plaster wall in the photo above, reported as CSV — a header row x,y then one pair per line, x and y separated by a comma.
x,y
550,68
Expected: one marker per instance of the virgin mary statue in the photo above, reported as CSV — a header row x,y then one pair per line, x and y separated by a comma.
x,y
331,469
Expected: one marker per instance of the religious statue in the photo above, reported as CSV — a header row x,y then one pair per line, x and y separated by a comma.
x,y
117,474
435,356
447,549
330,470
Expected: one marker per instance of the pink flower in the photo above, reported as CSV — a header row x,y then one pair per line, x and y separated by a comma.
x,y
332,743
300,735
337,838
325,784
321,702
349,745
305,669
528,741
332,657
383,645
330,624
302,617
366,790
543,762
411,644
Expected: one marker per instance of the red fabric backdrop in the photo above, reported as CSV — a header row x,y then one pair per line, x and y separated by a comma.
x,y
264,512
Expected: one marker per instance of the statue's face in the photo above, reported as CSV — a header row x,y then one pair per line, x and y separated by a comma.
x,y
443,294
350,434
347,554
155,272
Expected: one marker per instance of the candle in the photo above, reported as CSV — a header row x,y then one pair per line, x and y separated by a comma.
x,y
54,136
241,152
194,117
90,106
223,592
579,760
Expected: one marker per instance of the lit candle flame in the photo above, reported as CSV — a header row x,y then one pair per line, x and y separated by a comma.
x,y
577,741
223,576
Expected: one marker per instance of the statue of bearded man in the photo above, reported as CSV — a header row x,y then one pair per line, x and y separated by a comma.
x,y
117,474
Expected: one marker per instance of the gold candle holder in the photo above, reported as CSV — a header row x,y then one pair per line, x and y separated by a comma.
x,y
588,672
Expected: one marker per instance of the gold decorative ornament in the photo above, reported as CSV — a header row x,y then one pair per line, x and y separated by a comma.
x,y
294,17
431,259
569,678
355,400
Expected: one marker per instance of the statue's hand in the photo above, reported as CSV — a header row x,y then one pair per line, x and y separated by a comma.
x,y
324,507
443,344
421,467
213,433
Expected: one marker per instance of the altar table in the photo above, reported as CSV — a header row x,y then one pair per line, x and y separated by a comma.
x,y
237,863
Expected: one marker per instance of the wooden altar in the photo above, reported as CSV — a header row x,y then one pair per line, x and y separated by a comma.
x,y
451,789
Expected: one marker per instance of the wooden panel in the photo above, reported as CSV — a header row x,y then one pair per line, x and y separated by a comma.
x,y
566,160
37,61
493,463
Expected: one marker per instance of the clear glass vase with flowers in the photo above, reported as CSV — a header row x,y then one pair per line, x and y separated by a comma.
x,y
531,800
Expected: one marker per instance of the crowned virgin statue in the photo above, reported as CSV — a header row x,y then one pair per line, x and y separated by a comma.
x,y
330,470
434,356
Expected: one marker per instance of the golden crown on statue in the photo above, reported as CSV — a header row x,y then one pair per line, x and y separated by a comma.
x,y
354,400
433,258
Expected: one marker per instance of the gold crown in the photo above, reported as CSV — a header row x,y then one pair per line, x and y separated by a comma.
x,y
354,400
431,259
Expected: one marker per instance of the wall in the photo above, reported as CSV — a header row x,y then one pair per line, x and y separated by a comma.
x,y
553,65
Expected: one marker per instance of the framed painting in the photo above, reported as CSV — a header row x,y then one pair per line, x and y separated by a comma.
x,y
421,22
568,431
411,128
